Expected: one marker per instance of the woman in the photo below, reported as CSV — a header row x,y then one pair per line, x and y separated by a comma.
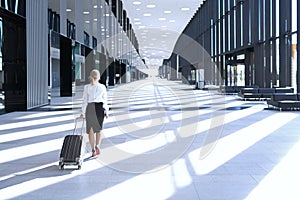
x,y
94,109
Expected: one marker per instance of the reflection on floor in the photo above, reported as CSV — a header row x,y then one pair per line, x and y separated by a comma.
x,y
163,140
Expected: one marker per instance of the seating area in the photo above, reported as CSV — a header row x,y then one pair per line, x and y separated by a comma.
x,y
262,93
284,101
233,89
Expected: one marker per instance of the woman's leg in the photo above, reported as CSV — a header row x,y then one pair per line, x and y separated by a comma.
x,y
98,135
92,139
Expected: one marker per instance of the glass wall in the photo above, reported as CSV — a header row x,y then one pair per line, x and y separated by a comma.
x,y
1,71
265,31
15,6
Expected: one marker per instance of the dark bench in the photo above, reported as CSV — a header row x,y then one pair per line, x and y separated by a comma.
x,y
233,89
262,93
284,101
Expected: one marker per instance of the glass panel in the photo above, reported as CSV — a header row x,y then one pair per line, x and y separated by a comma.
x,y
249,24
277,62
2,108
86,39
240,75
242,25
294,60
14,65
229,37
259,19
94,42
212,37
264,20
294,15
277,17
234,28
271,18
229,76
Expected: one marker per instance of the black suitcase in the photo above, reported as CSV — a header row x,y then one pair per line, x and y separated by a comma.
x,y
71,150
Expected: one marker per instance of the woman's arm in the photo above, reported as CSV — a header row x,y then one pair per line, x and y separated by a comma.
x,y
105,103
85,101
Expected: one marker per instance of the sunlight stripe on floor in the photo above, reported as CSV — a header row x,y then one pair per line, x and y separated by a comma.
x,y
283,181
232,145
35,122
25,151
26,187
9,137
30,115
220,119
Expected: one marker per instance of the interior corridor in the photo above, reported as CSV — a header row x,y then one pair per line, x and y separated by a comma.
x,y
163,140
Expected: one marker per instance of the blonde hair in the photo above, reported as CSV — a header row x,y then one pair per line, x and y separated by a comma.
x,y
94,76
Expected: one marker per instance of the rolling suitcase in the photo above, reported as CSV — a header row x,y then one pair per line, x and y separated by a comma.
x,y
71,150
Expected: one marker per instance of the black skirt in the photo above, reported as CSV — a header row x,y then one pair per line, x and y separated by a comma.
x,y
94,117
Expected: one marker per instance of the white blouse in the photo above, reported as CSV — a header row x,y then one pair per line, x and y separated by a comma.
x,y
94,93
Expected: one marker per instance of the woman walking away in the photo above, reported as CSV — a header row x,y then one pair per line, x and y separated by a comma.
x,y
94,109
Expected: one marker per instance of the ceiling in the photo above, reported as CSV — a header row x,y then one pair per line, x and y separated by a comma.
x,y
157,25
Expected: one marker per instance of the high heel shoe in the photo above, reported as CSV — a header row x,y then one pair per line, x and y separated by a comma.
x,y
94,153
97,151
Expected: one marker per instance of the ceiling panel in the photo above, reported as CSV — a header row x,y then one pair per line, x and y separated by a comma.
x,y
158,23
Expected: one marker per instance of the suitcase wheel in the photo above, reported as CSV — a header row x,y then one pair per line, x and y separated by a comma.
x,y
61,165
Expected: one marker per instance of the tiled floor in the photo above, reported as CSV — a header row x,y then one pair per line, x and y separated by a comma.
x,y
163,140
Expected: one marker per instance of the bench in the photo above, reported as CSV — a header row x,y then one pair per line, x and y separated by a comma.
x,y
262,93
283,101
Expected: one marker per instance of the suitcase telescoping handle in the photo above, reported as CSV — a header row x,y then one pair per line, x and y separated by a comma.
x,y
76,121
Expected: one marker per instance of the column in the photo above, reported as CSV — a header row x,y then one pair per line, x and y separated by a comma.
x,y
37,52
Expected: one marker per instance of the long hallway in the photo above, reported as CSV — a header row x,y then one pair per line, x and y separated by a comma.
x,y
163,140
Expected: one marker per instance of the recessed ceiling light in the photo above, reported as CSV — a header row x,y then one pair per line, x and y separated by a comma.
x,y
95,19
136,19
167,11
151,6
69,10
87,22
147,14
138,9
142,26
136,3
86,12
185,9
161,19
137,23
95,6
172,21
